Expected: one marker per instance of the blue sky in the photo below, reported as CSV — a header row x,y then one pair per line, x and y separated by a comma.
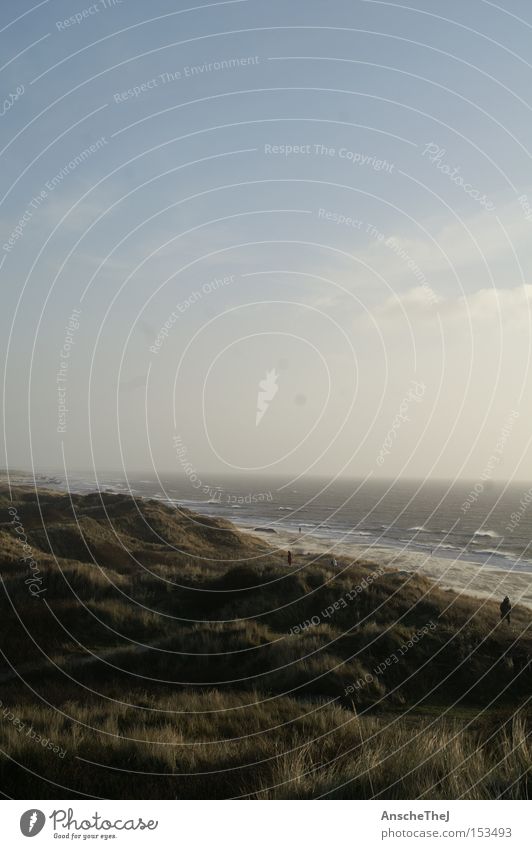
x,y
407,126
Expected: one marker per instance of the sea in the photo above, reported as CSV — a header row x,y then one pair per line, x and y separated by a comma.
x,y
486,523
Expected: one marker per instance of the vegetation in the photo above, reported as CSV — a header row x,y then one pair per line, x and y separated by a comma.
x,y
170,656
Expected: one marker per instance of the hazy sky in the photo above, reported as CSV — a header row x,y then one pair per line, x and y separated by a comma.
x,y
281,236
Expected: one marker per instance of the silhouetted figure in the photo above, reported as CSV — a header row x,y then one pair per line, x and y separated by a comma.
x,y
289,558
505,608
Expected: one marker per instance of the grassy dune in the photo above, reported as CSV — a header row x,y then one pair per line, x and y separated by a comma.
x,y
170,656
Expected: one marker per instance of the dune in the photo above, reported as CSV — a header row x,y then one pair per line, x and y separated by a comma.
x,y
462,576
168,655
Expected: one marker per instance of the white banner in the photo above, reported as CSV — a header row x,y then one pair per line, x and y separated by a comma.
x,y
267,825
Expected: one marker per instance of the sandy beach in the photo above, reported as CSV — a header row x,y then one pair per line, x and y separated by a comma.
x,y
463,576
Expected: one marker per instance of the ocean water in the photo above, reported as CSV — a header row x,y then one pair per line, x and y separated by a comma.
x,y
489,523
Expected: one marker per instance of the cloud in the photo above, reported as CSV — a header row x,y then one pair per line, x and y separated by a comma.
x,y
485,307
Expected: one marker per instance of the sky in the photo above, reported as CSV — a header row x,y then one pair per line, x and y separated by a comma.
x,y
267,238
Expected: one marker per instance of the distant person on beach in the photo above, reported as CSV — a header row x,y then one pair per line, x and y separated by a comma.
x,y
505,608
300,529
334,562
289,558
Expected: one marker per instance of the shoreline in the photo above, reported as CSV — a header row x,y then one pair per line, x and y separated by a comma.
x,y
472,578
462,576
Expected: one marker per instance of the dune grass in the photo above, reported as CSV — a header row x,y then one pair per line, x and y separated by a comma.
x,y
187,663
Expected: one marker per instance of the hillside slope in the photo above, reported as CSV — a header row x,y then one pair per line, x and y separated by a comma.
x,y
157,624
